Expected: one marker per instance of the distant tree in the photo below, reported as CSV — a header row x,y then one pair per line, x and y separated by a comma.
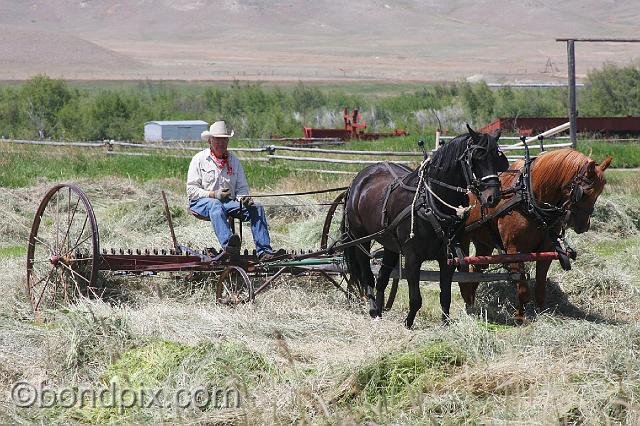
x,y
505,105
478,101
530,102
113,115
42,99
212,98
72,121
13,119
306,99
612,91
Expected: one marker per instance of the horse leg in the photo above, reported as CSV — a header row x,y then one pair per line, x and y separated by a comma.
x,y
366,276
446,275
413,280
389,261
522,289
467,290
472,288
542,267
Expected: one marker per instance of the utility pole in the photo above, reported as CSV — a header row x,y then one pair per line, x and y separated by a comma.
x,y
571,74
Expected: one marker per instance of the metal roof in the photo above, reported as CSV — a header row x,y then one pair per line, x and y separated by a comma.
x,y
179,122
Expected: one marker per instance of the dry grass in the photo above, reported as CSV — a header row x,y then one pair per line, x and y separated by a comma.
x,y
578,363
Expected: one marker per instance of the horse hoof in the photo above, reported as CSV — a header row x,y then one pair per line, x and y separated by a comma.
x,y
408,324
530,313
375,313
520,319
471,310
446,320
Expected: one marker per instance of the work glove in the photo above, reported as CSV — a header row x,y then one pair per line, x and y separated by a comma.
x,y
247,201
222,194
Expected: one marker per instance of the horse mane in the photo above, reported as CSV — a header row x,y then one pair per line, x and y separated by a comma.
x,y
552,170
561,165
446,157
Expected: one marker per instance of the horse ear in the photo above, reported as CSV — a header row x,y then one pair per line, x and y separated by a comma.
x,y
474,135
606,163
497,134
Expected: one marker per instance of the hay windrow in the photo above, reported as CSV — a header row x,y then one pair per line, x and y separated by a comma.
x,y
303,353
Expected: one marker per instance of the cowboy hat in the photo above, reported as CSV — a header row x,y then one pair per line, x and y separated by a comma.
x,y
218,130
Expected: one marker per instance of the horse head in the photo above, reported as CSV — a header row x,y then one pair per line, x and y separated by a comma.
x,y
582,193
483,161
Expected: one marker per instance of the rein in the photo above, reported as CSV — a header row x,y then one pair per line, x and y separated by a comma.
x,y
288,194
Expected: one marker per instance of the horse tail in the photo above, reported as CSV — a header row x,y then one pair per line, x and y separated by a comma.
x,y
349,253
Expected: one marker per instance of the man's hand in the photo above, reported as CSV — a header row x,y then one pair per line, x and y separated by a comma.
x,y
222,194
247,201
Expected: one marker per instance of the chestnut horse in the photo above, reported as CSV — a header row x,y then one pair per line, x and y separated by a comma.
x,y
565,186
404,211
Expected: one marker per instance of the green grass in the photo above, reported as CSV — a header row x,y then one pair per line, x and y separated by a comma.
x,y
13,251
22,168
163,364
148,365
624,154
395,375
608,248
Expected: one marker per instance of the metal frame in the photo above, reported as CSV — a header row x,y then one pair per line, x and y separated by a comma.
x,y
571,75
234,274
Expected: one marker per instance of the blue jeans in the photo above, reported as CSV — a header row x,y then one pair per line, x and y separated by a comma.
x,y
219,212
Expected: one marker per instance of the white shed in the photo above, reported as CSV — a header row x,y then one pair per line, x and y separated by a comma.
x,y
185,130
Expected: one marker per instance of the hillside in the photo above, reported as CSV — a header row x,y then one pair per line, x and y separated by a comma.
x,y
299,40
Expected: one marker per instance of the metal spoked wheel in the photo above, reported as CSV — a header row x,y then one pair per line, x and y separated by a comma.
x,y
64,249
326,229
234,287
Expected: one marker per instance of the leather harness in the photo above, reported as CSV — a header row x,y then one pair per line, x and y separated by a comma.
x,y
427,209
548,216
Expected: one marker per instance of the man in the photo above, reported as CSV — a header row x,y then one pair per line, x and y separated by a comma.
x,y
217,188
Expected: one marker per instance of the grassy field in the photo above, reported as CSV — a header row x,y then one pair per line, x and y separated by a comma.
x,y
303,352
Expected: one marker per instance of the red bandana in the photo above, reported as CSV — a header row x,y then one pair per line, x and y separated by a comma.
x,y
221,162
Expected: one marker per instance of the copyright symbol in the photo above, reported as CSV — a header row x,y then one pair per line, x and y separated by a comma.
x,y
24,394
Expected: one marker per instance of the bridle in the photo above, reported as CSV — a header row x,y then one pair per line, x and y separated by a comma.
x,y
472,180
577,188
474,184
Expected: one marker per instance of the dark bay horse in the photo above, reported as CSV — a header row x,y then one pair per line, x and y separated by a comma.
x,y
565,186
406,210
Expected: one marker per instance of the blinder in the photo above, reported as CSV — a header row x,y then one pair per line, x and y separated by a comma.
x,y
577,193
503,162
484,182
579,185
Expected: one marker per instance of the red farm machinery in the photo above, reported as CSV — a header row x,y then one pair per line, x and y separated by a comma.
x,y
353,129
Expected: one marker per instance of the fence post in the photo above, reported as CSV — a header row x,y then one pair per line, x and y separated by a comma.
x,y
571,70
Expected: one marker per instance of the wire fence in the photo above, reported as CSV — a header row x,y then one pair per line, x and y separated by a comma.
x,y
267,153
310,155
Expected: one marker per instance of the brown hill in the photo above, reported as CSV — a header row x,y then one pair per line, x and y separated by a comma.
x,y
301,40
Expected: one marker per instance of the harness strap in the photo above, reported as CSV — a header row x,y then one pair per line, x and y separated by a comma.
x,y
446,185
400,217
357,242
397,182
506,208
430,216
